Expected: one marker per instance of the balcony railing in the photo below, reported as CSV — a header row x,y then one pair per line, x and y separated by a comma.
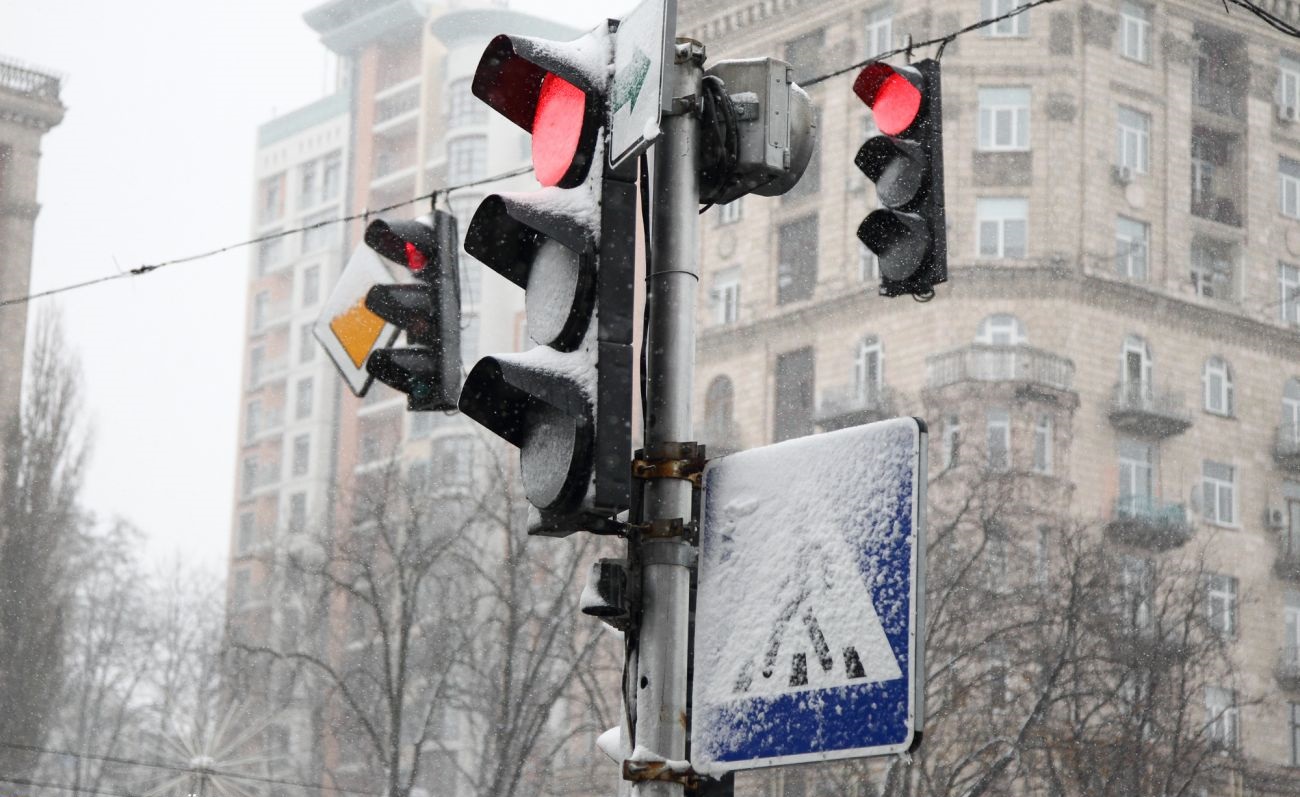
x,y
1287,669
268,371
395,105
1140,410
1145,522
1217,96
1286,446
846,405
271,314
24,80
1222,209
265,422
985,363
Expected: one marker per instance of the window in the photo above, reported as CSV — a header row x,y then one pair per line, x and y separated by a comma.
x,y
995,559
1135,32
999,439
247,532
1000,695
261,306
269,254
308,183
1288,284
1211,269
868,264
1294,724
731,212
880,30
466,159
1015,26
1131,248
868,370
302,409
1221,603
1134,140
1043,444
306,345
320,231
1288,82
1217,382
1219,493
463,108
1043,555
248,476
805,54
1136,476
331,181
297,513
271,203
454,459
301,454
1001,329
1221,718
252,419
1135,371
256,364
1004,118
310,286
719,403
1003,227
793,411
796,271
1291,628
1137,582
1290,536
1288,177
726,296
951,440
239,594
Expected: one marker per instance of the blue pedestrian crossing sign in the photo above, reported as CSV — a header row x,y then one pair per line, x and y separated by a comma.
x,y
810,601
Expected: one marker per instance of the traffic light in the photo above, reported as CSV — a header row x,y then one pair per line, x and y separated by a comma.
x,y
428,309
566,402
907,232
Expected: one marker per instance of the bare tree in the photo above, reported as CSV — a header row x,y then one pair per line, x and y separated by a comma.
x,y
40,523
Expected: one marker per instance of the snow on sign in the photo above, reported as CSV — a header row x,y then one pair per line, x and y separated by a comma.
x,y
643,45
809,607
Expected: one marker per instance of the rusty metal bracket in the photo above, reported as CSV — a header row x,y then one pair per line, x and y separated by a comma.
x,y
646,771
671,461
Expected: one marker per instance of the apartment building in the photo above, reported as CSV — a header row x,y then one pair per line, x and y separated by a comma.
x,y
29,108
1120,325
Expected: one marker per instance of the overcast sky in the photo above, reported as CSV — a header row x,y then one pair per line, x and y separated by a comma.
x,y
154,161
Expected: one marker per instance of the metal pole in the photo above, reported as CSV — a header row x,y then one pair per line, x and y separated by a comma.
x,y
660,681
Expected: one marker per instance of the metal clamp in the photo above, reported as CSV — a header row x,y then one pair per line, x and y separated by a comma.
x,y
671,461
668,552
646,771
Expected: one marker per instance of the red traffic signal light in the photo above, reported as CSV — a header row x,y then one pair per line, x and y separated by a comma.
x,y
555,93
908,233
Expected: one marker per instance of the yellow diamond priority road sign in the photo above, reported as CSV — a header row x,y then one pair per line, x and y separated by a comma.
x,y
346,329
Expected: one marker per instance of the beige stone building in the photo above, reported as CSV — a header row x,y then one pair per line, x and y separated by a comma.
x,y
29,108
1120,324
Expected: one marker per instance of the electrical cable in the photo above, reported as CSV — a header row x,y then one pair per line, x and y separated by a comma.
x,y
365,214
63,787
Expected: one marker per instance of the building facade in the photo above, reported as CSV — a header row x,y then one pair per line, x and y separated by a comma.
x,y
1120,325
29,108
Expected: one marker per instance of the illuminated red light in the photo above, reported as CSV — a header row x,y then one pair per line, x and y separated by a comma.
x,y
415,259
557,128
893,100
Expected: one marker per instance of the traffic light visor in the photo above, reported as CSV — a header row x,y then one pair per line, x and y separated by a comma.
x,y
409,243
892,93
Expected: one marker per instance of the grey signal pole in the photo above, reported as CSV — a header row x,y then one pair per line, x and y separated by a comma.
x,y
662,644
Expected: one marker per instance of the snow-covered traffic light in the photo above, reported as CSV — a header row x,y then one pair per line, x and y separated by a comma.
x,y
428,370
565,403
907,232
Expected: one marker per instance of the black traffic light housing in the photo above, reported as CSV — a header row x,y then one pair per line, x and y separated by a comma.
x,y
565,403
908,232
428,370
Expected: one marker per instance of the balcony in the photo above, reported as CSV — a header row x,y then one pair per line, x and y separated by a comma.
x,y
267,371
1286,447
1218,96
1138,410
1033,369
1221,209
846,405
264,424
1287,669
1145,522
1286,565
270,314
1143,645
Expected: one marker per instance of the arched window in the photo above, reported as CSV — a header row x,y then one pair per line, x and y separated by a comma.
x,y
718,404
1216,381
1291,410
1002,329
868,367
1135,369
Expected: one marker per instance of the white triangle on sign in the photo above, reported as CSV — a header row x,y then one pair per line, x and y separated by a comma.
x,y
823,630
